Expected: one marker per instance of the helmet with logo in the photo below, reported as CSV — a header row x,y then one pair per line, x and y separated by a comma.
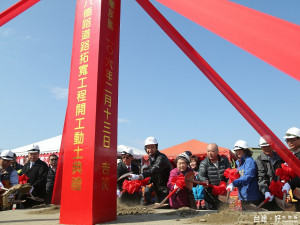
x,y
151,141
34,148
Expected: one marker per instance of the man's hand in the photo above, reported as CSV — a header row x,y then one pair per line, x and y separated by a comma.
x,y
267,195
286,187
230,187
134,177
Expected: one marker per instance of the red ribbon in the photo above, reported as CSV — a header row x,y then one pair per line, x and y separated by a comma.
x,y
179,181
219,190
232,174
132,186
276,189
285,173
23,179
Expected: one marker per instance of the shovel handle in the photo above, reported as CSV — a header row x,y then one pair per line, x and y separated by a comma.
x,y
263,202
4,189
169,195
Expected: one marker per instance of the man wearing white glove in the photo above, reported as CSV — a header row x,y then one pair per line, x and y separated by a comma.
x,y
267,163
292,138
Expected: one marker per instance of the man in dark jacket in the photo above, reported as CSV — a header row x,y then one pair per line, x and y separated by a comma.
x,y
292,138
51,177
211,171
159,169
18,167
36,170
267,163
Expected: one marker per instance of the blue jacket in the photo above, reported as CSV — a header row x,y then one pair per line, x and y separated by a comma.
x,y
247,184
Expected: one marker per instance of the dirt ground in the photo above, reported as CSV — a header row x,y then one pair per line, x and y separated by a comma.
x,y
145,215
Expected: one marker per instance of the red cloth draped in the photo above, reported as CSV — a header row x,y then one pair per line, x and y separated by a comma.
x,y
285,173
276,189
232,174
23,179
219,190
132,186
179,181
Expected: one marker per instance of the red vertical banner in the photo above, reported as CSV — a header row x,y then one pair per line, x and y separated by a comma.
x,y
90,135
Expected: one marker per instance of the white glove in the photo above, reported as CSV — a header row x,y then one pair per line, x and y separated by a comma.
x,y
286,187
134,177
1,185
175,187
230,187
268,194
118,193
31,189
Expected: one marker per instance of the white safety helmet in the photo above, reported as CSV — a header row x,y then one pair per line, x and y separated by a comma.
x,y
127,151
184,156
293,132
34,148
262,142
7,154
151,141
240,144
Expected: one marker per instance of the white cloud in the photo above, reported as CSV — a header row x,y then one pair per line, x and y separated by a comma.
x,y
121,120
6,32
59,93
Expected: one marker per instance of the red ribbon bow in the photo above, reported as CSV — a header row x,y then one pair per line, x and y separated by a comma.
x,y
23,179
276,189
219,190
179,181
232,174
285,173
132,186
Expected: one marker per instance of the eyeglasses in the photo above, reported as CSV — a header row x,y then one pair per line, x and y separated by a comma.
x,y
291,139
53,159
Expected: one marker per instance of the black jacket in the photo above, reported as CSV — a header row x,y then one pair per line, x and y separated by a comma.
x,y
50,180
296,181
159,171
266,171
122,169
37,175
208,171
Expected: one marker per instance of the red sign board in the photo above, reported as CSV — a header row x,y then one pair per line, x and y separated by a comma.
x,y
88,193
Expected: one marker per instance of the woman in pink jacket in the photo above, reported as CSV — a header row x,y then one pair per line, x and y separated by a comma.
x,y
183,197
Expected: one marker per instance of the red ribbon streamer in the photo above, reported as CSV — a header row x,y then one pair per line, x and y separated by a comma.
x,y
271,39
222,86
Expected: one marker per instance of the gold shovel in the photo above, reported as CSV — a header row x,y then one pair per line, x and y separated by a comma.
x,y
283,204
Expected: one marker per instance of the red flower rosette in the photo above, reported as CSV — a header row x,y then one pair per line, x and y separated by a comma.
x,y
219,190
285,173
179,181
132,186
276,189
23,179
232,174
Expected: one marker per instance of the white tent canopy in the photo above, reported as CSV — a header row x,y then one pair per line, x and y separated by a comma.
x,y
53,145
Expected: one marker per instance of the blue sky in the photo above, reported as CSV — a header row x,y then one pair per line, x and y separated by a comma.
x,y
161,92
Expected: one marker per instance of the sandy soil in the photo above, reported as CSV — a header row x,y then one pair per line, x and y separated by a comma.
x,y
146,215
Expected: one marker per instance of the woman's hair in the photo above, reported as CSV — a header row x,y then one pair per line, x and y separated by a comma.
x,y
247,152
178,157
195,158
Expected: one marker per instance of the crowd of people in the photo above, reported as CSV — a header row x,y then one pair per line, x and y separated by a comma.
x,y
38,174
255,176
164,177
